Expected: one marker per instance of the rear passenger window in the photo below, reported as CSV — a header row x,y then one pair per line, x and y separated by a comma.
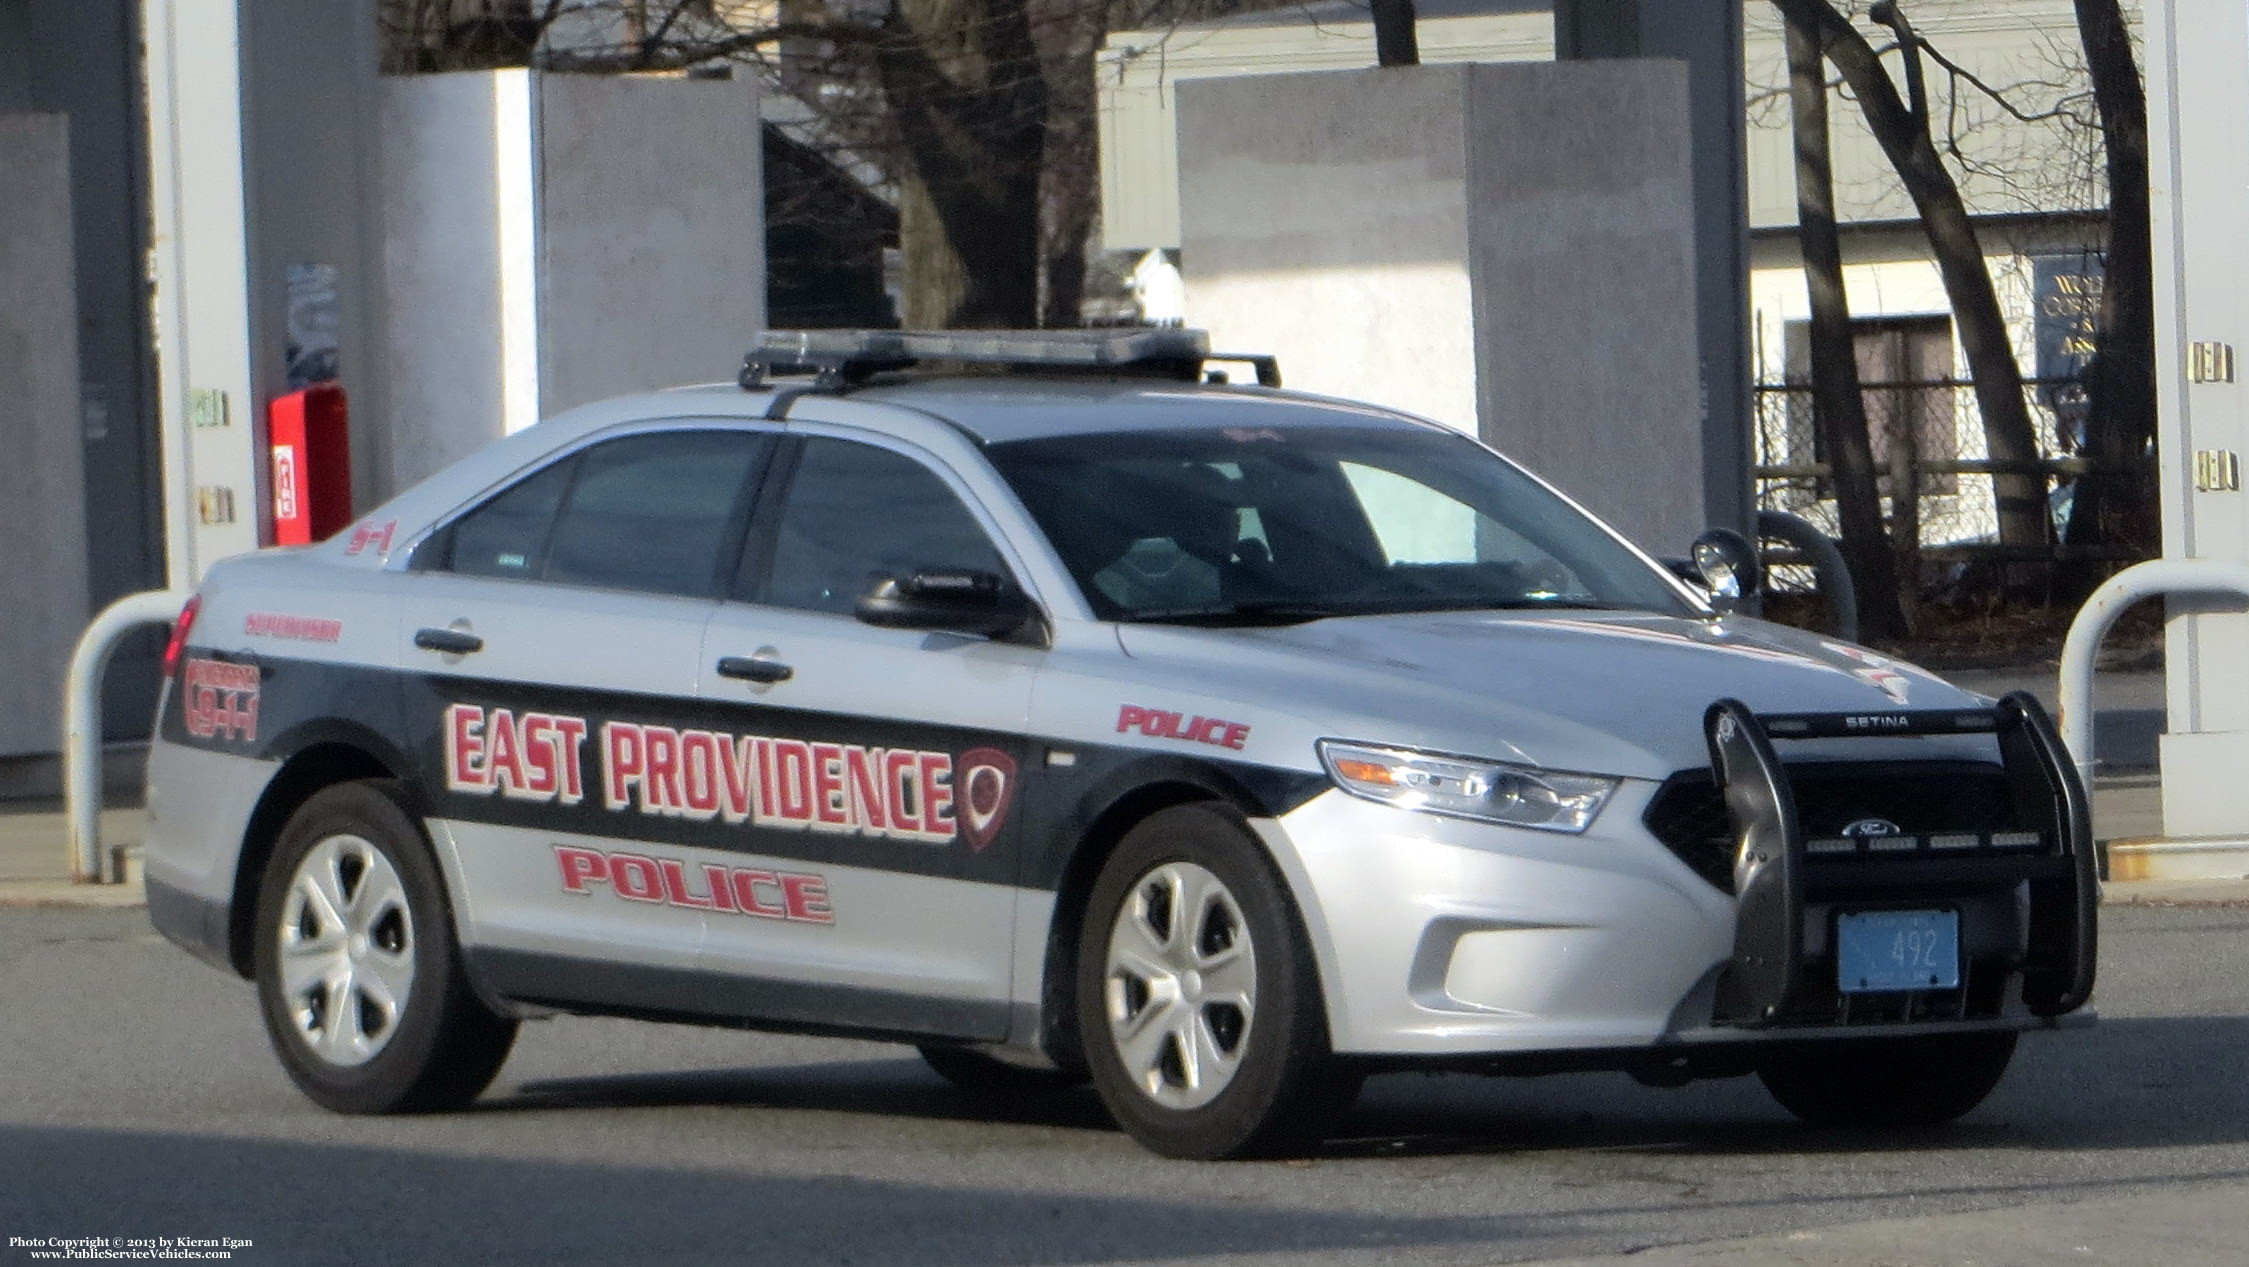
x,y
649,512
855,513
507,536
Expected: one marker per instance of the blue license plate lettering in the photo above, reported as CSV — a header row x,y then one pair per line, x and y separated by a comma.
x,y
1888,951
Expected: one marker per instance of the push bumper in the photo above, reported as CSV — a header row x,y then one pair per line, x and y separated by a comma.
x,y
1446,939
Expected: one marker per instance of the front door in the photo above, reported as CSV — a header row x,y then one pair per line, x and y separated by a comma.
x,y
886,762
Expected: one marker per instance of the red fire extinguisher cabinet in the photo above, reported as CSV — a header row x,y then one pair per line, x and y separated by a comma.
x,y
310,436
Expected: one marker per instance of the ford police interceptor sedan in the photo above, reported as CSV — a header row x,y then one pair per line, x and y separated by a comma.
x,y
1083,718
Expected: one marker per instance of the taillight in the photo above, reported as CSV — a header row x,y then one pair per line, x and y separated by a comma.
x,y
180,629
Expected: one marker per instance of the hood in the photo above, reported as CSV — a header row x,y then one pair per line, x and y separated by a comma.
x,y
1605,692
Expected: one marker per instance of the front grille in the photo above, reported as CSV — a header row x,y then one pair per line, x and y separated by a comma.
x,y
1689,815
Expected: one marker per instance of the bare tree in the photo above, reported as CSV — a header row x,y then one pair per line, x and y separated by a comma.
x,y
1838,408
2115,502
1900,123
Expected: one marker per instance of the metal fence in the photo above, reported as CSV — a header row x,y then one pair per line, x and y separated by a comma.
x,y
1935,475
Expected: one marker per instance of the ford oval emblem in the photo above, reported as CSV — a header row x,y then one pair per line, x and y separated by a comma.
x,y
1867,828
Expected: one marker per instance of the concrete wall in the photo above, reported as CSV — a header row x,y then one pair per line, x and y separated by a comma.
x,y
550,240
2198,63
1325,218
1582,260
309,87
1507,249
653,241
42,533
443,329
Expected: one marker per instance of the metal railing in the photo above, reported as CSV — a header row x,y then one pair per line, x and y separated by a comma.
x,y
1936,482
82,719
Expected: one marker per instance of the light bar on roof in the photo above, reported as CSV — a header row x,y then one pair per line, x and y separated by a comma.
x,y
1088,348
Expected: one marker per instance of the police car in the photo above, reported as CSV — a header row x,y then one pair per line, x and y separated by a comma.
x,y
1087,718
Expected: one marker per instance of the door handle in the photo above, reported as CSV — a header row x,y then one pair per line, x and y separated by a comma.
x,y
449,641
749,670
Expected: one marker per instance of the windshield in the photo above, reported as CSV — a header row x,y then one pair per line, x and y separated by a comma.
x,y
1271,525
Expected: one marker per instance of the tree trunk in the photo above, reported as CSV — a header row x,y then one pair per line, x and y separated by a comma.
x,y
1905,140
1395,43
968,96
1071,198
2116,502
1838,407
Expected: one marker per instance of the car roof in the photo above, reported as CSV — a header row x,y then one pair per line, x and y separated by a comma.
x,y
996,409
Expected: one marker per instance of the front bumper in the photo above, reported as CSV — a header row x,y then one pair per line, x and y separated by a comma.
x,y
1447,939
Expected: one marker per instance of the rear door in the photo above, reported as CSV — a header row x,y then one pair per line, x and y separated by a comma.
x,y
535,625
883,763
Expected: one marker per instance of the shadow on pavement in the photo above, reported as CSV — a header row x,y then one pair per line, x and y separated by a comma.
x,y
2123,1084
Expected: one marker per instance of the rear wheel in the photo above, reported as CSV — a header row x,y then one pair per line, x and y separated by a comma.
x,y
358,972
1890,1082
1199,1006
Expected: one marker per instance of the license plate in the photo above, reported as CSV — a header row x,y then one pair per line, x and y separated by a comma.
x,y
1877,951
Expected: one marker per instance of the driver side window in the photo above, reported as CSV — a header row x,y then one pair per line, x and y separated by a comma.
x,y
854,513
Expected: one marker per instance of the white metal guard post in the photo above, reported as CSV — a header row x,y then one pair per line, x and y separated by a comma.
x,y
2141,580
82,719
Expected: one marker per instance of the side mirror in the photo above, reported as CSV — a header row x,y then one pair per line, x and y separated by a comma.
x,y
952,601
1726,563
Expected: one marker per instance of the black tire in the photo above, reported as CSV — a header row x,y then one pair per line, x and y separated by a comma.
x,y
435,1051
1887,1083
990,1078
1284,1088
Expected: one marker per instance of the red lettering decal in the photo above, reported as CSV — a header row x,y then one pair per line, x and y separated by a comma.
x,y
622,748
1130,716
675,886
1236,735
505,760
793,757
863,768
831,799
737,799
538,755
806,897
698,772
901,778
464,745
570,736
579,867
1176,726
636,877
768,805
1207,728
659,791
722,890
746,895
937,791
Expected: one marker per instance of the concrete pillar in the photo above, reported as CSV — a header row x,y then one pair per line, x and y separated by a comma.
x,y
1509,249
1707,36
42,486
553,239
2198,62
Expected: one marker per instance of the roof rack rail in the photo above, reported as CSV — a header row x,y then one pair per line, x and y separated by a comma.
x,y
842,359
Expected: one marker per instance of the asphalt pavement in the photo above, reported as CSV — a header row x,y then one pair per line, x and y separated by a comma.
x,y
137,1099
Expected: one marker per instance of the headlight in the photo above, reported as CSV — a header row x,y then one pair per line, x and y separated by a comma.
x,y
1517,795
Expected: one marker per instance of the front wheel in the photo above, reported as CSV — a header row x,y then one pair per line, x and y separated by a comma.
x,y
359,976
1892,1082
1199,1005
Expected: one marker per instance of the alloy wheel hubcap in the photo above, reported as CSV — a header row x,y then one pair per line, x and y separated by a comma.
x,y
1181,985
347,950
